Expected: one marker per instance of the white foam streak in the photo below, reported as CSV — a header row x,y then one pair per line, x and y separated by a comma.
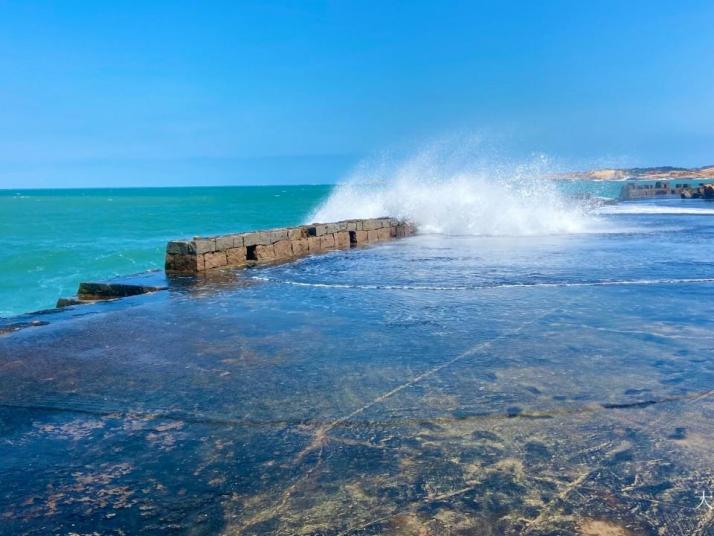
x,y
626,208
450,191
554,284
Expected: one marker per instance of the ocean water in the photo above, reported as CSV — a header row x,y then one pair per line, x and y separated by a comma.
x,y
54,239
448,383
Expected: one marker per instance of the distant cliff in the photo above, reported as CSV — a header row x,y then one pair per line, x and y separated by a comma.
x,y
652,173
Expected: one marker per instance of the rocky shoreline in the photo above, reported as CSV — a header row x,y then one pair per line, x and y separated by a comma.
x,y
643,174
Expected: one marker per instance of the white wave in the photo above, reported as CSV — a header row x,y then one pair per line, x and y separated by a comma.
x,y
634,208
554,284
450,189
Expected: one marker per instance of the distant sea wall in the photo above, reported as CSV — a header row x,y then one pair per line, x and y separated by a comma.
x,y
663,189
278,245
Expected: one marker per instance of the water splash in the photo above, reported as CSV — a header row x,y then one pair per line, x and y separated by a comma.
x,y
453,190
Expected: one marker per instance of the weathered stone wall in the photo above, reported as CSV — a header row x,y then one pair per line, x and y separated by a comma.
x,y
277,245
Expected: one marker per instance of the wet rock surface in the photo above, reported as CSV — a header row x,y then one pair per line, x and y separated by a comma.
x,y
276,402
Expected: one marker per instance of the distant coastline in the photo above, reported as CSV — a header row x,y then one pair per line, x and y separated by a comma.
x,y
649,173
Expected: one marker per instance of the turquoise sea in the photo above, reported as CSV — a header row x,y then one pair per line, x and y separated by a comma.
x,y
53,239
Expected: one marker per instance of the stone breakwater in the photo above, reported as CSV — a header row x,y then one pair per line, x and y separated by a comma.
x,y
278,245
185,257
664,189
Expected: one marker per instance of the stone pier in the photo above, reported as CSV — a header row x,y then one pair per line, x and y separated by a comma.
x,y
278,245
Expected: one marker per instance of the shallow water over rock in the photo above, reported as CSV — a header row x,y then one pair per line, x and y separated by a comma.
x,y
433,385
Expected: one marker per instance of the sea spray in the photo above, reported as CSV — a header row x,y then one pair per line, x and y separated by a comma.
x,y
450,191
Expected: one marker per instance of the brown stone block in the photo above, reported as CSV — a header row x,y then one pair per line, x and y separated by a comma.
x,y
176,262
300,246
262,238
224,242
236,256
342,239
204,245
181,247
276,235
264,253
316,229
327,241
283,249
372,224
361,237
383,233
372,236
217,259
297,233
314,244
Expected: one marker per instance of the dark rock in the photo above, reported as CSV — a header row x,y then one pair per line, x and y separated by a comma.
x,y
678,434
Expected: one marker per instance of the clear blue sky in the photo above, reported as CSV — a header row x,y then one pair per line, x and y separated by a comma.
x,y
99,93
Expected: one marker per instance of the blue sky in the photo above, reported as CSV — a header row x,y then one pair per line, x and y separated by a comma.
x,y
176,93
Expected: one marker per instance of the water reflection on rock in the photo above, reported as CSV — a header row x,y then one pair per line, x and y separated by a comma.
x,y
270,408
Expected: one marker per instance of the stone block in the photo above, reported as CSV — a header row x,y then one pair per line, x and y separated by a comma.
x,y
392,231
383,233
297,233
361,237
331,228
314,244
372,236
258,238
327,241
204,245
300,246
236,256
216,259
283,249
277,235
183,263
224,243
371,225
342,239
351,226
316,229
264,253
181,247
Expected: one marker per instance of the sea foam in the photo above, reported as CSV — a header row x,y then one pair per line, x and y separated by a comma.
x,y
450,191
